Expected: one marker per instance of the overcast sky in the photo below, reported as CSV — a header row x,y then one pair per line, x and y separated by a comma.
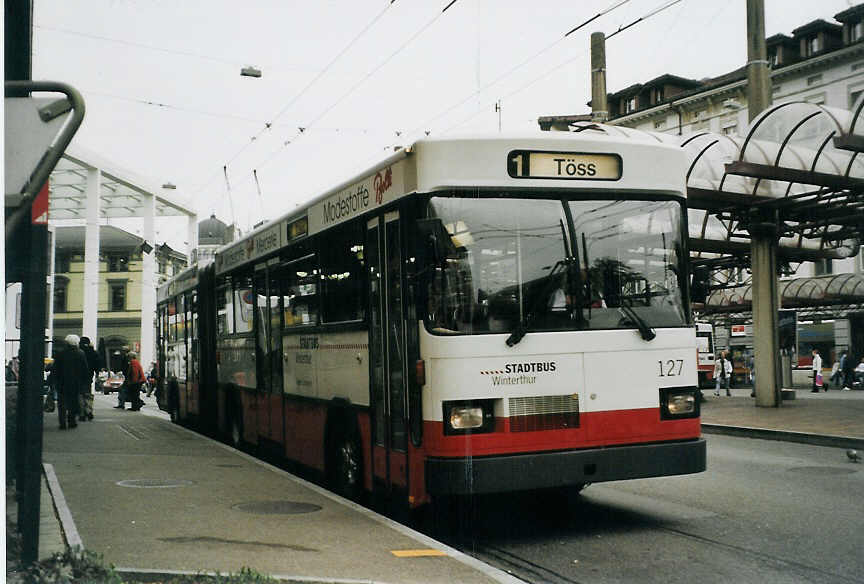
x,y
413,69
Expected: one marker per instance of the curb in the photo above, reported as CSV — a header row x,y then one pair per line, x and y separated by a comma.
x,y
785,436
156,576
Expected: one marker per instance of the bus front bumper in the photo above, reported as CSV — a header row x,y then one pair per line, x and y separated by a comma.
x,y
518,472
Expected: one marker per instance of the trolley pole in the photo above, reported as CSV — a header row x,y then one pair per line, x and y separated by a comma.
x,y
599,107
763,228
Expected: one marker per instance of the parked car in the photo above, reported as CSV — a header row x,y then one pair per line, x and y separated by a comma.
x,y
113,383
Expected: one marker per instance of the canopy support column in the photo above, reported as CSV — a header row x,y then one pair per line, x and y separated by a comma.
x,y
91,256
148,282
763,246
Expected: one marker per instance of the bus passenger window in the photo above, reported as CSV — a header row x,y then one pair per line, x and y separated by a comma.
x,y
301,300
225,314
343,292
243,305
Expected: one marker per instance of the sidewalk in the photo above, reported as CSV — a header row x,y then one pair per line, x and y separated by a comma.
x,y
832,418
154,498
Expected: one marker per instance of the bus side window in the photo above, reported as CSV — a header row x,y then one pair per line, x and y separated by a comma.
x,y
343,292
301,300
243,305
225,315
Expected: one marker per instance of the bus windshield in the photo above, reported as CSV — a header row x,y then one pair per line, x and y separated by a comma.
x,y
510,264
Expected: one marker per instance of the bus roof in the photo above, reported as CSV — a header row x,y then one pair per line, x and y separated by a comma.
x,y
528,160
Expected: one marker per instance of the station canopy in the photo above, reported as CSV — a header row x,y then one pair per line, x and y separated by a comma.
x,y
800,164
122,193
841,291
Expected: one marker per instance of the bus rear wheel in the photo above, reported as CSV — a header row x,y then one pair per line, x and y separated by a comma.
x,y
346,467
235,431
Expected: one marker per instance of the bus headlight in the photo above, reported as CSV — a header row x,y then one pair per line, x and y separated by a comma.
x,y
678,402
464,417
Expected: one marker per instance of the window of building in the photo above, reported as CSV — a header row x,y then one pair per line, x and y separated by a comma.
x,y
773,58
814,79
117,296
656,95
161,267
818,99
60,296
118,262
823,267
630,105
659,124
813,45
343,297
62,263
854,95
856,32
730,130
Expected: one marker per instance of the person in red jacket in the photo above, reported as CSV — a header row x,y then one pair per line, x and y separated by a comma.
x,y
134,382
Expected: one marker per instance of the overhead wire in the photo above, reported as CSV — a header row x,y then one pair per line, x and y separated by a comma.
x,y
646,17
134,44
268,125
163,105
382,64
302,129
567,62
520,65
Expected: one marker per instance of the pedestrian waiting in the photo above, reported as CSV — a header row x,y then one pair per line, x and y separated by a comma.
x,y
72,376
94,363
722,373
818,383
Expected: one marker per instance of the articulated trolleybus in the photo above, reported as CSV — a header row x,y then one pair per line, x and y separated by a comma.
x,y
472,315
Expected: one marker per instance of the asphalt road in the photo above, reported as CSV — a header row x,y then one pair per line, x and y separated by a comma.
x,y
764,512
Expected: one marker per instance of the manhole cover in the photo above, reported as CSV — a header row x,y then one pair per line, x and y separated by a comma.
x,y
823,470
154,483
277,507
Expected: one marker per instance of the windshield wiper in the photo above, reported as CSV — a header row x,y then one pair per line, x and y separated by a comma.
x,y
645,329
522,326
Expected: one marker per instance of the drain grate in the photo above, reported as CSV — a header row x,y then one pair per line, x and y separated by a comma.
x,y
276,507
154,483
822,470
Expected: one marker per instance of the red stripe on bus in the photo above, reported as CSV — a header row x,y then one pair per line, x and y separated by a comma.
x,y
595,429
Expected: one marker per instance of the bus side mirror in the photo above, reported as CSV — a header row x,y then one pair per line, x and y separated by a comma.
x,y
434,244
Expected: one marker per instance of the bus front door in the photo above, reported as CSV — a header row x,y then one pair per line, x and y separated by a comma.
x,y
387,357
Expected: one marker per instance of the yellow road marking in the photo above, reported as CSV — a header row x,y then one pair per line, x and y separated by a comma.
x,y
417,553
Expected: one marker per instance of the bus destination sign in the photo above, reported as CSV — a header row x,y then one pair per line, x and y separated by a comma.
x,y
563,165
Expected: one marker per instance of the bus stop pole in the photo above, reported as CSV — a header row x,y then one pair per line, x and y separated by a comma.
x,y
32,359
